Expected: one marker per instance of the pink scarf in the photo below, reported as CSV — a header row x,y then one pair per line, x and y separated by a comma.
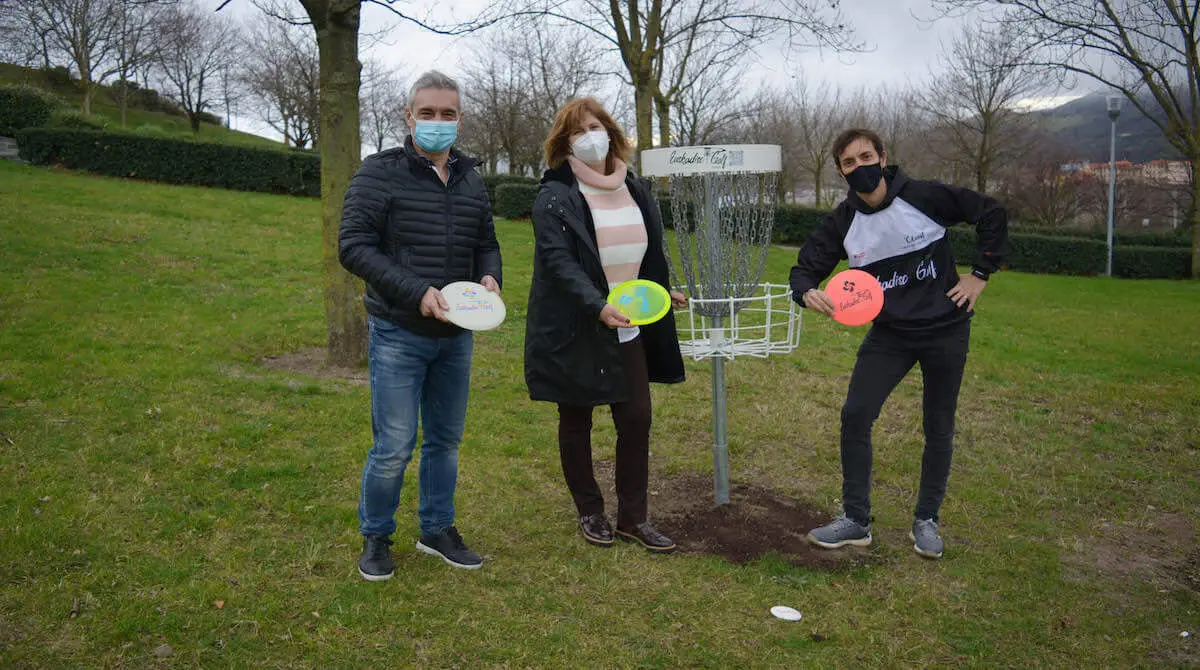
x,y
608,182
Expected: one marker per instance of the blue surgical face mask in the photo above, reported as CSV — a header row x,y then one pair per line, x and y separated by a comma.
x,y
435,136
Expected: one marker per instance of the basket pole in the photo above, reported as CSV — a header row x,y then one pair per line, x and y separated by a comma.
x,y
716,274
720,438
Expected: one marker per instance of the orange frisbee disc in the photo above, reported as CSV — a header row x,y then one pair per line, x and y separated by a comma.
x,y
857,297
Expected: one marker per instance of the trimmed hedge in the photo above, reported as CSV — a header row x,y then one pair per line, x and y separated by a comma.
x,y
1154,256
1049,254
514,200
794,223
664,208
175,161
24,107
1176,238
210,118
491,181
1152,262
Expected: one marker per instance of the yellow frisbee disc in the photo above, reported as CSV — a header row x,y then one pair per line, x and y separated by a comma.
x,y
642,300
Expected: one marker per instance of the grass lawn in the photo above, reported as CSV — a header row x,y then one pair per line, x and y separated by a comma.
x,y
109,112
160,486
178,127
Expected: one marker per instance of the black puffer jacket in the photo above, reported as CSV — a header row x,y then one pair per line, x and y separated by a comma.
x,y
404,231
570,357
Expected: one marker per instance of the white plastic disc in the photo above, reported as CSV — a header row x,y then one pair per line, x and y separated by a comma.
x,y
711,159
786,613
472,306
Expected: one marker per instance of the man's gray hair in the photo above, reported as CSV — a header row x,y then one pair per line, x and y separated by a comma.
x,y
433,79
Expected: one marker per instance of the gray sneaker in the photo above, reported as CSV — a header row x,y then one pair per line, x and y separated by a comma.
x,y
839,533
926,540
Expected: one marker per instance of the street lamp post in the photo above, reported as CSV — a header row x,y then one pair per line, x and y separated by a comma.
x,y
1114,110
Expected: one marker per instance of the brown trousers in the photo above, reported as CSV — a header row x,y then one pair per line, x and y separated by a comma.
x,y
632,421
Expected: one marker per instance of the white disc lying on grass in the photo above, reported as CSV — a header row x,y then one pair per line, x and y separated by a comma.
x,y
786,613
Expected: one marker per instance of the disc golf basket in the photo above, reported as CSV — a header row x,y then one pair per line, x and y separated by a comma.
x,y
723,209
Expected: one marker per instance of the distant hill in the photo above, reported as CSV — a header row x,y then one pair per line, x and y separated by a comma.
x,y
1083,128
170,123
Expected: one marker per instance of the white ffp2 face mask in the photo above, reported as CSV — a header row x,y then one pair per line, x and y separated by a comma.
x,y
591,147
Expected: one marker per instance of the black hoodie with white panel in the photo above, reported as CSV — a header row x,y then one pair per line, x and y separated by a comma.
x,y
905,245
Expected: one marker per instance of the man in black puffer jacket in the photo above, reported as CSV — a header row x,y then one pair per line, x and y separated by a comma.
x,y
415,219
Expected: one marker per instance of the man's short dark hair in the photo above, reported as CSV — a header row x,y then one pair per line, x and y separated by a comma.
x,y
848,136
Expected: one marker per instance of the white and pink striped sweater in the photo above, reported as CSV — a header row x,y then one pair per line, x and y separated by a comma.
x,y
620,229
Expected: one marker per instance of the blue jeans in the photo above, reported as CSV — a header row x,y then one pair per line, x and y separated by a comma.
x,y
412,373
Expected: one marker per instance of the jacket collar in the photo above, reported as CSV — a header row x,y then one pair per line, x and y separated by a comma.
x,y
568,200
562,174
458,163
896,181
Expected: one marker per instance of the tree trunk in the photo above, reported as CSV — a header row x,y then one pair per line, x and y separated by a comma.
x,y
643,97
124,97
85,83
664,121
818,175
1194,216
340,147
981,159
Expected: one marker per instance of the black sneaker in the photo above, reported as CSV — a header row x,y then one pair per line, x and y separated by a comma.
x,y
450,546
596,530
648,536
375,564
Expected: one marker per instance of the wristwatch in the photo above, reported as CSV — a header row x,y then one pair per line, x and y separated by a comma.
x,y
981,273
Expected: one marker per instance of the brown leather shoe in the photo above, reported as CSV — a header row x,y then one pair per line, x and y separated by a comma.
x,y
596,530
649,537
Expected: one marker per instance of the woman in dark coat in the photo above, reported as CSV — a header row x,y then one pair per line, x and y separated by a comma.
x,y
597,225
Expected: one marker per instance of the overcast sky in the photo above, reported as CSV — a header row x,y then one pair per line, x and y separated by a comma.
x,y
902,45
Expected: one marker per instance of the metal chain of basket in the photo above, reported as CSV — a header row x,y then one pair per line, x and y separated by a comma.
x,y
723,225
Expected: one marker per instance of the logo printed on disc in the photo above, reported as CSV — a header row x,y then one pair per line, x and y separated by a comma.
x,y
641,300
472,306
857,297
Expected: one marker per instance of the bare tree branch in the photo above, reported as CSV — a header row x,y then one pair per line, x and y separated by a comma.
x,y
196,47
973,99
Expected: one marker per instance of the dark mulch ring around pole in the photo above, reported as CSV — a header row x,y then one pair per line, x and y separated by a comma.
x,y
756,523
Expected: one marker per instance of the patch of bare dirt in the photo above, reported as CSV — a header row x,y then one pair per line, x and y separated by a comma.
x,y
1163,552
311,363
755,523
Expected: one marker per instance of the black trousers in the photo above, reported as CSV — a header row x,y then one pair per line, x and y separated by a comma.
x,y
884,358
632,421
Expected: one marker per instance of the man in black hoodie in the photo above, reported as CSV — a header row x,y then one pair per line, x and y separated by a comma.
x,y
895,229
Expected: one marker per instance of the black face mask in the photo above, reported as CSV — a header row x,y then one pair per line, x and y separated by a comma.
x,y
865,178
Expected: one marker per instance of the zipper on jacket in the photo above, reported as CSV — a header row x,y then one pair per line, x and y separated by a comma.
x,y
449,223
446,216
449,235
